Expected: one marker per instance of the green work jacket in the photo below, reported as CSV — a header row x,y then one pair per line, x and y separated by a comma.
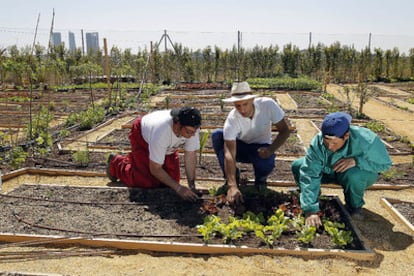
x,y
363,145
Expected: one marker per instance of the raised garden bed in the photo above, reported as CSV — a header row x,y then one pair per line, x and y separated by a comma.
x,y
137,215
402,210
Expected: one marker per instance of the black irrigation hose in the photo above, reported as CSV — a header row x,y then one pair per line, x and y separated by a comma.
x,y
88,202
72,202
84,202
102,233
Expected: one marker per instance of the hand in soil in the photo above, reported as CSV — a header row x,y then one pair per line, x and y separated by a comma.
x,y
234,196
313,219
186,193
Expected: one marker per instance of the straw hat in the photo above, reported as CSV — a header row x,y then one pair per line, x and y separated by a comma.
x,y
240,91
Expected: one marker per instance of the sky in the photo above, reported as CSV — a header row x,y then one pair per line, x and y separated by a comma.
x,y
198,24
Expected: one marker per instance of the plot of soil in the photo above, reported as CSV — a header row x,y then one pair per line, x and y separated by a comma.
x,y
157,214
406,209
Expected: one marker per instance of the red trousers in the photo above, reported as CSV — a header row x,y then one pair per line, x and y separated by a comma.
x,y
133,169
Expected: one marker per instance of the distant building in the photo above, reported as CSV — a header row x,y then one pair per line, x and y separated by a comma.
x,y
72,44
56,39
92,42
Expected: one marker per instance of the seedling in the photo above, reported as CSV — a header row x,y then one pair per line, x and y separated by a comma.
x,y
203,141
339,237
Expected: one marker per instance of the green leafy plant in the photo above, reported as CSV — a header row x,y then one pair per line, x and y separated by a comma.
x,y
237,228
203,141
277,224
392,173
17,156
375,126
39,130
210,227
91,117
167,102
304,233
307,234
232,230
81,157
339,236
64,133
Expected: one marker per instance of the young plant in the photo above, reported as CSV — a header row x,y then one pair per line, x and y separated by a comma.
x,y
231,231
376,127
307,234
17,156
210,227
276,225
81,157
39,130
203,141
304,233
391,174
167,102
339,236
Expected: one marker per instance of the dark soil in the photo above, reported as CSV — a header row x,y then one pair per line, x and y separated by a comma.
x,y
406,209
310,103
157,214
124,213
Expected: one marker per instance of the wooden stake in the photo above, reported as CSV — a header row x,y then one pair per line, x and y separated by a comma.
x,y
107,72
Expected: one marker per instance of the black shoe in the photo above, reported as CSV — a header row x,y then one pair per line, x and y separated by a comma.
x,y
260,186
356,213
108,174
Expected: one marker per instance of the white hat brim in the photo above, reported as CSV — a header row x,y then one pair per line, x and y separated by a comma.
x,y
237,98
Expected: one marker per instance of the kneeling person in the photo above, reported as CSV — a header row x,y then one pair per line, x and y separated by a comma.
x,y
350,156
154,161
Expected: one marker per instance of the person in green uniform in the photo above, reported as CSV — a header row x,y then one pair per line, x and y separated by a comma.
x,y
341,153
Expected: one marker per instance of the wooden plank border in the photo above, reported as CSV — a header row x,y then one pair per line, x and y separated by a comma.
x,y
388,204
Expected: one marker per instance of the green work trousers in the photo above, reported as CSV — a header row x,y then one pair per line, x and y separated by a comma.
x,y
354,182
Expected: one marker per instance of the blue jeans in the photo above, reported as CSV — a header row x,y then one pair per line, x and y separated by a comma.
x,y
246,153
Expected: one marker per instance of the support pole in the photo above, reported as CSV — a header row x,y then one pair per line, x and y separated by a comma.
x,y
107,72
152,63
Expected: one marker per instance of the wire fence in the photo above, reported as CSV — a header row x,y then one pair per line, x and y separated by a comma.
x,y
141,39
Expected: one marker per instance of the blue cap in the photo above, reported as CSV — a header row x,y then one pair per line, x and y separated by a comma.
x,y
336,124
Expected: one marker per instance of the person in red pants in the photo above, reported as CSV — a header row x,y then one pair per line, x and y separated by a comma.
x,y
154,161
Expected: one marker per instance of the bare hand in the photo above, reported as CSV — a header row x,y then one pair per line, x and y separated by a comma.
x,y
186,194
234,195
264,152
313,219
344,164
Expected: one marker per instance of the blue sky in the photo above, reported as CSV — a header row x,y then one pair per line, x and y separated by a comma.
x,y
196,23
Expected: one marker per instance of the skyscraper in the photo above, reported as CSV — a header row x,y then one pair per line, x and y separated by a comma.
x,y
92,42
72,44
56,39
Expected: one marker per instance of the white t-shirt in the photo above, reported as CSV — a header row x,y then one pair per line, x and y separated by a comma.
x,y
156,129
255,130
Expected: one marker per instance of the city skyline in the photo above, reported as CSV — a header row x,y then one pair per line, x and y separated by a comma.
x,y
137,24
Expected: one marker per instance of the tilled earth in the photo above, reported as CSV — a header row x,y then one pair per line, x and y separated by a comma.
x,y
385,241
150,215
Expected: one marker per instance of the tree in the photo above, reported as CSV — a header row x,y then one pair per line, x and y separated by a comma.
x,y
290,60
